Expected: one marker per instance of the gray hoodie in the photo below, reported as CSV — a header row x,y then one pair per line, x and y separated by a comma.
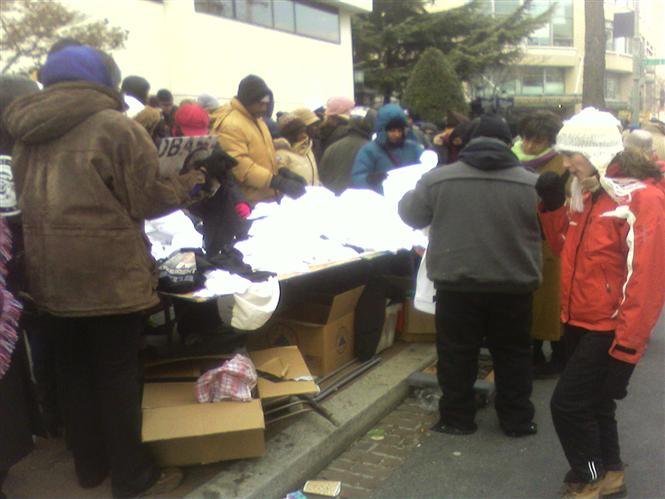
x,y
484,234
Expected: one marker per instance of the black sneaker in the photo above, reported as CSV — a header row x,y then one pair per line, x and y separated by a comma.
x,y
530,429
454,430
89,479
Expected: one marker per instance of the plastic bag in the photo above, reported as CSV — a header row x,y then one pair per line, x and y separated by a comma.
x,y
425,299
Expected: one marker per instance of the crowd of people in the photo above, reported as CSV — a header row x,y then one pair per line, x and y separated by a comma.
x,y
556,235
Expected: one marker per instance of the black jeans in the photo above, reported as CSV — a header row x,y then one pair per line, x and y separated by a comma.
x,y
97,359
503,321
583,419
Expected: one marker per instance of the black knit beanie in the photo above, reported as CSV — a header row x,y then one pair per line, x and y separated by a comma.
x,y
489,126
252,89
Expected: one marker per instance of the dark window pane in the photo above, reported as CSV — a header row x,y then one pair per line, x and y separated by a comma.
x,y
254,11
317,23
532,81
223,8
283,11
554,81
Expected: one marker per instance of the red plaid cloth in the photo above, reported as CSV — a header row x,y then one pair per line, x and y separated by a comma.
x,y
233,380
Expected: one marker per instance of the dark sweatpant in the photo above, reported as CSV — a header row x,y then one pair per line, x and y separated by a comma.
x,y
583,419
503,321
97,359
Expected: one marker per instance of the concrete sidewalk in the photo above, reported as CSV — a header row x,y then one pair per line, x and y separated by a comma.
x,y
296,449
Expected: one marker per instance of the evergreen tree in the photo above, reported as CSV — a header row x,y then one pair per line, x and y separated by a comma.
x,y
388,41
433,87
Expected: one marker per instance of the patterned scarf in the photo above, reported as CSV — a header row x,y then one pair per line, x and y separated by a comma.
x,y
10,308
533,161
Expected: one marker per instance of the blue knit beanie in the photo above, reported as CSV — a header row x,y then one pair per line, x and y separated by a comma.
x,y
75,63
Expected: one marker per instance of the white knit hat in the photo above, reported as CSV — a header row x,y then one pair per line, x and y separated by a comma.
x,y
594,134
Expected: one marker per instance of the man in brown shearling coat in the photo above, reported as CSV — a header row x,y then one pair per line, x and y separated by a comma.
x,y
87,178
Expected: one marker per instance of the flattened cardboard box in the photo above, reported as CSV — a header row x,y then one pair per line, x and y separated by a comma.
x,y
180,431
322,328
290,358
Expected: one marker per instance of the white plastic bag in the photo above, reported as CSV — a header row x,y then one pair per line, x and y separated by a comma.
x,y
250,310
425,299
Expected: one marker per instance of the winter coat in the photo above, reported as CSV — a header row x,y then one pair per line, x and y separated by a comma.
x,y
248,140
379,155
87,177
484,234
328,135
335,166
612,265
546,324
302,163
658,134
222,226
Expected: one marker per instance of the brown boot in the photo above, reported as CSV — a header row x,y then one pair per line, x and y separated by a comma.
x,y
613,485
169,480
582,490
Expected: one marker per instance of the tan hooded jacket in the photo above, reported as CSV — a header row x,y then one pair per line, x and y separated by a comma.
x,y
299,158
247,140
87,178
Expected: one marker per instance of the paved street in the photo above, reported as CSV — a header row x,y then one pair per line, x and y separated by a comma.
x,y
412,462
490,465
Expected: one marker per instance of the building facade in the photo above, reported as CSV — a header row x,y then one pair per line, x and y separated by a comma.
x,y
551,71
301,48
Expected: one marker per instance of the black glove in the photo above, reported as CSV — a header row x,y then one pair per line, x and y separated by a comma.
x,y
376,177
290,187
285,172
552,190
616,380
218,164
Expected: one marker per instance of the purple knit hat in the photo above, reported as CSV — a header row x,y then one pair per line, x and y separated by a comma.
x,y
76,63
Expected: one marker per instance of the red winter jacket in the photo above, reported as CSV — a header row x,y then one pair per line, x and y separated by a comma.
x,y
612,266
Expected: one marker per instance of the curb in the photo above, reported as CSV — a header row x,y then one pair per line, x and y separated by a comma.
x,y
300,450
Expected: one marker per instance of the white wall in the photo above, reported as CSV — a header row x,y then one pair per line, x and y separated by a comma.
x,y
190,53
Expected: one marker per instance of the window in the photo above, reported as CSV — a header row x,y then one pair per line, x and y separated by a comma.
x,y
284,15
609,35
532,81
542,81
505,7
223,8
558,32
554,81
612,86
499,8
312,21
620,45
293,16
526,81
254,12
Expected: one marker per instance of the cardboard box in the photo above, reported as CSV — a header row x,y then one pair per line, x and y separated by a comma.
x,y
180,431
182,369
322,328
417,326
293,364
